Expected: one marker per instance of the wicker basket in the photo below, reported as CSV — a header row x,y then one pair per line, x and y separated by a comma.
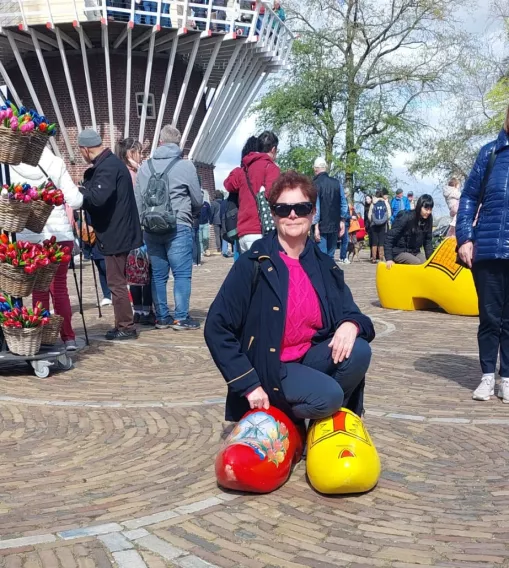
x,y
51,331
39,215
24,341
13,215
12,146
33,150
15,281
44,277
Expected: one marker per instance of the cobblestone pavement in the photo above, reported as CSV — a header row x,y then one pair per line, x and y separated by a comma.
x,y
111,463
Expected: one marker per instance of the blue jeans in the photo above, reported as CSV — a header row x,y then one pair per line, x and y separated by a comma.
x,y
344,242
328,243
236,251
151,6
174,252
101,268
317,388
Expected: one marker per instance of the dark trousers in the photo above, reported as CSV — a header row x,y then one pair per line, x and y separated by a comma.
x,y
491,279
196,246
117,281
217,235
142,297
101,269
317,387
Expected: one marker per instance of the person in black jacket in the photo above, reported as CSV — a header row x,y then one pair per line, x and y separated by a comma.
x,y
108,197
333,209
284,329
412,230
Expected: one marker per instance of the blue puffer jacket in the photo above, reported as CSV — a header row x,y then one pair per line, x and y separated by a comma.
x,y
491,235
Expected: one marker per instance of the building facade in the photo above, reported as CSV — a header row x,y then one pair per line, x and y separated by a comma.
x,y
127,68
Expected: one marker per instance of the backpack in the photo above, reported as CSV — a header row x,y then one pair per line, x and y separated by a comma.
x,y
380,214
229,222
157,213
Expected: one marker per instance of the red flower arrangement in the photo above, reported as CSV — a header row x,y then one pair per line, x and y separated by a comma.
x,y
24,317
48,193
31,256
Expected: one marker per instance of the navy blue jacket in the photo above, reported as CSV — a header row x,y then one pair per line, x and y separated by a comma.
x,y
246,321
491,235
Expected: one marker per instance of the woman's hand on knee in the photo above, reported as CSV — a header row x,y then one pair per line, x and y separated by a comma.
x,y
258,399
343,341
389,264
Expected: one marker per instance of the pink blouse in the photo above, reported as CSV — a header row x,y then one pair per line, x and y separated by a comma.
x,y
303,313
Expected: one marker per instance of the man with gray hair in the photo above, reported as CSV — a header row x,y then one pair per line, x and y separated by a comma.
x,y
169,197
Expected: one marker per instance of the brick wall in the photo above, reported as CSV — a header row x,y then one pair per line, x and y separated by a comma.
x,y
118,77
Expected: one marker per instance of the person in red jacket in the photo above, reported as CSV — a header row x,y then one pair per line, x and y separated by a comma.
x,y
262,171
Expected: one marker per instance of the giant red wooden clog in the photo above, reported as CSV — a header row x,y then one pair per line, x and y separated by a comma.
x,y
259,452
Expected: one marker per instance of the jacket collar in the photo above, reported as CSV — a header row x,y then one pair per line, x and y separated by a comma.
x,y
101,157
502,141
320,174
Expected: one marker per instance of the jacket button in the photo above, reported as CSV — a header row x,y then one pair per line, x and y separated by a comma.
x,y
272,350
276,309
270,269
255,252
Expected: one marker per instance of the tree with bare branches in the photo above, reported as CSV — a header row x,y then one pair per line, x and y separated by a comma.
x,y
360,71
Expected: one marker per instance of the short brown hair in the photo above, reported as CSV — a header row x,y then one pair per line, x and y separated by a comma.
x,y
293,180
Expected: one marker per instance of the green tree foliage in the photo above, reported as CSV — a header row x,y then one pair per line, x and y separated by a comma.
x,y
359,71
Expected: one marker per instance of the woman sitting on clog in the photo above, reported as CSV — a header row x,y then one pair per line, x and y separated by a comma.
x,y
284,329
411,231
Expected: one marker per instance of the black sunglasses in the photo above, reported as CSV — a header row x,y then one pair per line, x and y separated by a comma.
x,y
285,209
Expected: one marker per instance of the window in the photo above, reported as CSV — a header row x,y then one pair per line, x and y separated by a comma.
x,y
151,105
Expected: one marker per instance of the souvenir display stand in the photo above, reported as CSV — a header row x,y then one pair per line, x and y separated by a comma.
x,y
26,333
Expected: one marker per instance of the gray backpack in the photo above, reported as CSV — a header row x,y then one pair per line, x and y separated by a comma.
x,y
157,213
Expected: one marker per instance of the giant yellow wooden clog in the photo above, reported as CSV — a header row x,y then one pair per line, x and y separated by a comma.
x,y
440,281
341,457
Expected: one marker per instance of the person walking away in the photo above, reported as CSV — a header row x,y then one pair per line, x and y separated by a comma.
x,y
333,209
129,151
379,215
368,200
399,203
215,210
452,194
483,240
58,224
204,220
260,170
169,196
411,200
108,197
411,231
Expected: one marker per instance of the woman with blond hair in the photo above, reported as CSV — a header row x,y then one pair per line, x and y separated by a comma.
x,y
482,230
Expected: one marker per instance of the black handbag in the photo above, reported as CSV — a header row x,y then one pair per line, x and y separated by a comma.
x,y
485,179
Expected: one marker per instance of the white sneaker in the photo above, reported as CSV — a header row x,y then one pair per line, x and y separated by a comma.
x,y
503,390
346,261
486,388
106,302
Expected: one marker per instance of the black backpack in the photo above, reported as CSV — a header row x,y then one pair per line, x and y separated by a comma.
x,y
157,213
229,221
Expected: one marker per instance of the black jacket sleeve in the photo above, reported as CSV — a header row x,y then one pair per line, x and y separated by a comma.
x,y
100,188
428,243
393,236
225,319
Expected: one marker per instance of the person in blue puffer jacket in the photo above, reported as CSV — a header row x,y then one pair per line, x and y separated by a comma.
x,y
483,241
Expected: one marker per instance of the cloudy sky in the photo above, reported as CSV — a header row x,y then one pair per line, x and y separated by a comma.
x,y
477,21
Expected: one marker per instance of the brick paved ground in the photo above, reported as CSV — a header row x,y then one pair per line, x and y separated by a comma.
x,y
111,464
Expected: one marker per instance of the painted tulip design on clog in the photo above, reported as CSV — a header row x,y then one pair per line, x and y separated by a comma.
x,y
259,452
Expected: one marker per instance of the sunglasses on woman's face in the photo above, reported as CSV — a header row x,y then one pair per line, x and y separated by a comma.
x,y
302,209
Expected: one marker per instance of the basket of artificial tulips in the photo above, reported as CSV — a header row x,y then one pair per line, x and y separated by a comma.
x,y
19,263
22,327
42,201
50,255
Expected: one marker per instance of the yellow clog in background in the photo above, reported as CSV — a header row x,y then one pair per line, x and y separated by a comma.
x,y
341,458
440,281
